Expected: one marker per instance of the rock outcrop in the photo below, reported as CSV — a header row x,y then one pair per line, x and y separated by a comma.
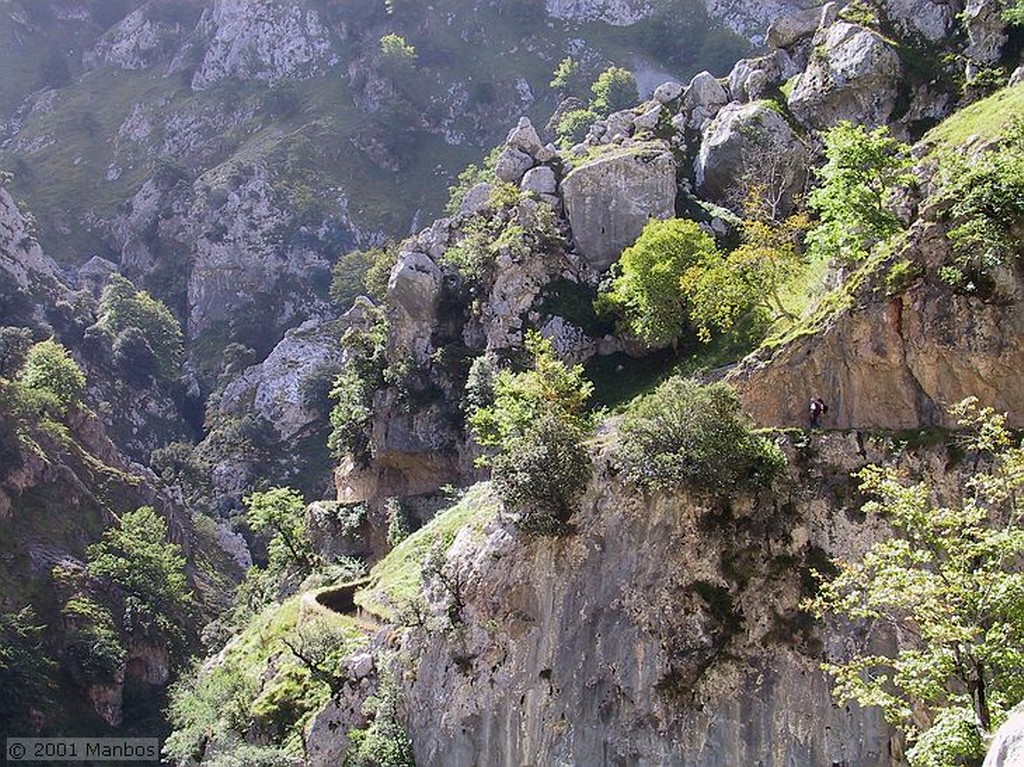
x,y
854,74
896,361
1007,747
609,200
746,139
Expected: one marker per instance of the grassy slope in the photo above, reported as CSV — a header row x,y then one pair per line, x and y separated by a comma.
x,y
982,121
396,579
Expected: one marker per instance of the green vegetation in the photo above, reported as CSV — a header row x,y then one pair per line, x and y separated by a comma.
x,y
646,289
261,689
26,670
722,292
574,125
694,436
362,273
398,56
613,90
50,371
537,420
948,583
986,211
281,512
144,331
568,78
137,557
354,387
396,580
384,742
864,170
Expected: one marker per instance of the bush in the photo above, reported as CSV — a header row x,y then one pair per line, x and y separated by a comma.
x,y
614,90
573,126
687,434
49,369
122,307
647,288
541,475
354,387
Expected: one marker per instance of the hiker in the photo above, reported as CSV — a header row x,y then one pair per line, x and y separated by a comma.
x,y
817,410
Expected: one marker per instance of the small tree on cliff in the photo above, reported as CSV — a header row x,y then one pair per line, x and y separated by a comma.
x,y
948,584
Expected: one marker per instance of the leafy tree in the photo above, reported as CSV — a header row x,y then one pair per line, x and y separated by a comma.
x,y
948,583
49,368
568,78
26,670
353,390
122,307
647,289
397,55
864,169
614,90
281,512
696,436
1013,12
384,742
573,126
986,211
548,386
139,559
92,642
721,291
537,421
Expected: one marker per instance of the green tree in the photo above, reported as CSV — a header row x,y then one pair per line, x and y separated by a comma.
x,y
362,273
647,286
537,421
568,77
139,559
986,196
947,581
397,55
573,126
721,291
863,170
281,512
49,368
26,670
614,90
122,308
695,436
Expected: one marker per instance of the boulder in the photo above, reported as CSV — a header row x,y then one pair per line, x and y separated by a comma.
x,y
413,290
854,74
986,31
744,136
476,199
609,199
704,97
512,165
649,119
1007,747
1017,77
668,92
524,138
540,180
926,19
790,28
750,79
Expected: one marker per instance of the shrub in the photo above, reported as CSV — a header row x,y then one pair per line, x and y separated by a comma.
x,y
122,307
541,474
573,126
354,387
647,289
615,89
49,368
987,211
281,512
687,434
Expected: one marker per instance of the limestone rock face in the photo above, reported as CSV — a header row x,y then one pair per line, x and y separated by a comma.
x,y
240,256
23,265
604,646
749,135
896,362
853,75
619,13
610,199
138,41
262,40
273,388
750,79
927,19
1007,748
413,291
704,97
986,31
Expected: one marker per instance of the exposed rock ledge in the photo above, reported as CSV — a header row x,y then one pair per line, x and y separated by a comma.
x,y
897,361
